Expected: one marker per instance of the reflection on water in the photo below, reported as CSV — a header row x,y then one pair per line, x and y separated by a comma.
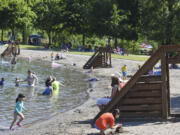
x,y
39,107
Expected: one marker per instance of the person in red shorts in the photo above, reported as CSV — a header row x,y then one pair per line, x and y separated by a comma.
x,y
107,120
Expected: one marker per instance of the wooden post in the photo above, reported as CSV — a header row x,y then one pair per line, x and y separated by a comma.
x,y
103,58
110,57
164,85
168,86
106,58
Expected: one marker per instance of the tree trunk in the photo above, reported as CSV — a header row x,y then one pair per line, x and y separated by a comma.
x,y
23,36
83,39
169,27
115,43
13,34
50,38
2,34
109,41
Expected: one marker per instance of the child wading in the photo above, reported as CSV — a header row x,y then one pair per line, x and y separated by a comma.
x,y
2,81
17,82
18,111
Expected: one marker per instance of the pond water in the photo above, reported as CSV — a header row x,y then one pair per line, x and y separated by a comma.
x,y
39,107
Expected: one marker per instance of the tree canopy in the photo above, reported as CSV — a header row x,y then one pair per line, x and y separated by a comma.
x,y
157,20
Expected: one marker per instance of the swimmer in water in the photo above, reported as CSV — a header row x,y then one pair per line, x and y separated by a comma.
x,y
31,79
56,84
49,89
29,59
17,82
48,80
2,82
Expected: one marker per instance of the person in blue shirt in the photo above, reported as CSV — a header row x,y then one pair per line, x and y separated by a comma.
x,y
18,111
49,89
2,82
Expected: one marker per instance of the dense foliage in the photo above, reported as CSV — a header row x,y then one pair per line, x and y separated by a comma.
x,y
124,23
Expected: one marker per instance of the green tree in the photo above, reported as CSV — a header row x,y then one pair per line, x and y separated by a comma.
x,y
159,20
109,19
3,17
48,16
75,15
16,14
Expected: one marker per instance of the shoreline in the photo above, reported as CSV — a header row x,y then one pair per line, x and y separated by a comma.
x,y
77,121
45,56
98,90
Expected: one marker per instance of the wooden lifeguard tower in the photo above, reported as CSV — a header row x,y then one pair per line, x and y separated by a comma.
x,y
101,58
13,49
147,95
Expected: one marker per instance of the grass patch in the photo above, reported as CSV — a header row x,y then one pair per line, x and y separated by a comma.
x,y
30,47
82,53
131,57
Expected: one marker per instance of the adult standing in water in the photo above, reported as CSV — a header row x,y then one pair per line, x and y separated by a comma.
x,y
31,78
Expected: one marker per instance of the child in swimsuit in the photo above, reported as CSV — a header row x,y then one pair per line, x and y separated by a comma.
x,y
17,82
18,111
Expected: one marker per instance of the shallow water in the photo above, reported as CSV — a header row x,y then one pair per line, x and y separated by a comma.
x,y
39,107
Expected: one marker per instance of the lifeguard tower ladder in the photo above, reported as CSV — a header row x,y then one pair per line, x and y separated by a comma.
x,y
101,58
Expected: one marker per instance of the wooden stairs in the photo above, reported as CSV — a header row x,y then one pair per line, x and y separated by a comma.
x,y
147,95
101,58
13,49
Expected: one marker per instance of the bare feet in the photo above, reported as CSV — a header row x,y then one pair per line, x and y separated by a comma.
x,y
19,125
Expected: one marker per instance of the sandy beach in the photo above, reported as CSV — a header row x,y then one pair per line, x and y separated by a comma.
x,y
77,121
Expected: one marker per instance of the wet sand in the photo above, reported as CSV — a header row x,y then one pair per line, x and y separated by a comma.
x,y
77,121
